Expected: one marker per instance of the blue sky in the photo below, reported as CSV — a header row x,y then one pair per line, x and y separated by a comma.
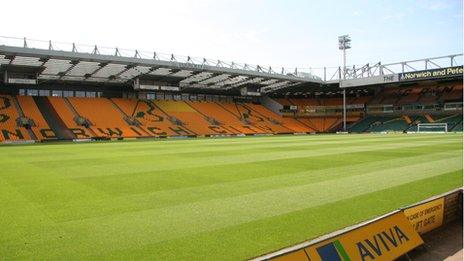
x,y
280,33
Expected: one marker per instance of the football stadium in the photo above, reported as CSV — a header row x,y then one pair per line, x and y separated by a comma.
x,y
111,153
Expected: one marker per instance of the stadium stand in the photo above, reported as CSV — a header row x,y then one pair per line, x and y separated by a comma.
x,y
458,127
322,114
255,115
11,124
59,115
290,124
216,112
152,119
408,96
50,118
192,120
396,109
359,100
321,124
390,109
453,121
247,119
303,103
453,93
331,102
404,123
38,124
284,101
389,123
148,119
108,122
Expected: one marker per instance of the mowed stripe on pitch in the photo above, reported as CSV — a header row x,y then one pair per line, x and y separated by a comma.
x,y
141,199
112,151
100,165
185,177
120,182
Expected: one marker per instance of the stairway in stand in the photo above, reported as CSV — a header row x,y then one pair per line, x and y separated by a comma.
x,y
53,119
21,114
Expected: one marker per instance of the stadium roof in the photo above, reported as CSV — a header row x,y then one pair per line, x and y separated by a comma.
x,y
73,65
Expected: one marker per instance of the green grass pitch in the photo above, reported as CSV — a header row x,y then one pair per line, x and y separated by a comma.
x,y
209,199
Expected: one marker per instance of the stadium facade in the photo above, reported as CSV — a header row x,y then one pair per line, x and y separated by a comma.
x,y
48,93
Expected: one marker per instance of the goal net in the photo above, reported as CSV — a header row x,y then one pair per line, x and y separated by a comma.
x,y
432,127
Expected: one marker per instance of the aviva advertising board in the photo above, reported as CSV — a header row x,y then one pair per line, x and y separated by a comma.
x,y
384,239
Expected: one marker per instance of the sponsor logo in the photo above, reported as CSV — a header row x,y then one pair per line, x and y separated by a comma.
x,y
385,239
368,248
430,74
333,251
378,244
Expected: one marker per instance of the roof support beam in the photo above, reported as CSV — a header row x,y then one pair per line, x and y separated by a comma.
x,y
278,86
194,79
128,67
10,57
74,63
249,80
101,66
152,69
44,61
229,81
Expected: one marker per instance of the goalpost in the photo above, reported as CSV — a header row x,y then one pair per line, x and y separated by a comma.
x,y
432,127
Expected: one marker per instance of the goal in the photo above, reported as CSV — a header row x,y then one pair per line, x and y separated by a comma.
x,y
432,127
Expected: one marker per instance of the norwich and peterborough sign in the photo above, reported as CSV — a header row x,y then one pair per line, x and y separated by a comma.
x,y
384,239
455,71
431,74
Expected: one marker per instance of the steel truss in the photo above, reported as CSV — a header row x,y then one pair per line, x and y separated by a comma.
x,y
379,69
73,62
92,63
